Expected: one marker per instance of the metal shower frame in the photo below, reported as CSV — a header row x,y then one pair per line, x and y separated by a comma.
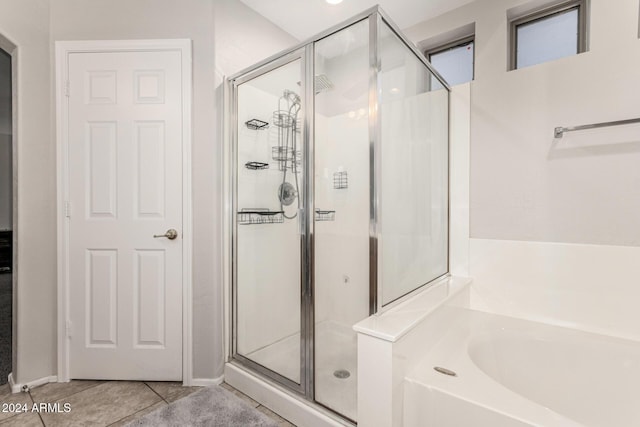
x,y
305,53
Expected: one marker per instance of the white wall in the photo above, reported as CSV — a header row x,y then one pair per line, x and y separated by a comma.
x,y
26,24
243,37
459,124
554,223
525,185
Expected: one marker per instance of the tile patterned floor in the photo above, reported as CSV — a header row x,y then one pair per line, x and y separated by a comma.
x,y
102,403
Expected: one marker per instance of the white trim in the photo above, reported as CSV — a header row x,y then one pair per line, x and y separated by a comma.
x,y
63,50
226,219
61,190
17,388
206,382
187,215
459,178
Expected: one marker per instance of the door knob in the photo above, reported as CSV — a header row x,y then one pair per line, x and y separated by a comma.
x,y
170,234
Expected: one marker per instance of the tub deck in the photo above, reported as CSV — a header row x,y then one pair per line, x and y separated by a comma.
x,y
514,373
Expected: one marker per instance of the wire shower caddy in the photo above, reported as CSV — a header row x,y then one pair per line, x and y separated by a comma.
x,y
340,180
256,124
286,120
322,215
256,165
254,216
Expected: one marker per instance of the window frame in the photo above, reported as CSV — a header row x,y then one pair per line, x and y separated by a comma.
x,y
544,13
459,42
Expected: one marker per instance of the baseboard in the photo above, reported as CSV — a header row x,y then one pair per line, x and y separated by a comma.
x,y
205,382
14,387
17,388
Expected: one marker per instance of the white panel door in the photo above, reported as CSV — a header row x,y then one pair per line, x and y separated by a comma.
x,y
125,186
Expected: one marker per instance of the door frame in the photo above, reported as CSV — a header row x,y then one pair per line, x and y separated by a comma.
x,y
11,48
63,50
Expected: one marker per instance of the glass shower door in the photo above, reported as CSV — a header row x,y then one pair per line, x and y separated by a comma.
x,y
342,204
268,332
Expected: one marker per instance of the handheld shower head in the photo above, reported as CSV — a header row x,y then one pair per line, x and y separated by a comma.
x,y
292,97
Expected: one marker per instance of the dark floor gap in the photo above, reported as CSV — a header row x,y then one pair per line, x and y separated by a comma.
x,y
6,302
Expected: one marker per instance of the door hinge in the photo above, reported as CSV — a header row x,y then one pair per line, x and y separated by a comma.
x,y
67,89
69,328
67,209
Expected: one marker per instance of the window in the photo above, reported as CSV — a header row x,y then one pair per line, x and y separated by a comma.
x,y
454,62
548,34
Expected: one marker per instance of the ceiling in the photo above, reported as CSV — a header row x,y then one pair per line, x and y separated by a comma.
x,y
305,18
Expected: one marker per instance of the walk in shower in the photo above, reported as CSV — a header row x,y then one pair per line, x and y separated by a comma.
x,y
339,198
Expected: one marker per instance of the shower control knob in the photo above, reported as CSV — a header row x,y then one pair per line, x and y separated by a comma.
x,y
286,193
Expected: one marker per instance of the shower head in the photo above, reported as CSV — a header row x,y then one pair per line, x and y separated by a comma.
x,y
321,83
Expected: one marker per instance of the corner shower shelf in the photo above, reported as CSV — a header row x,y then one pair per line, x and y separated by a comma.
x,y
325,215
260,216
340,180
256,165
285,156
283,119
255,124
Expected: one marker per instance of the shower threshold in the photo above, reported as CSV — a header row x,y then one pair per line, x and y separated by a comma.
x,y
292,406
336,350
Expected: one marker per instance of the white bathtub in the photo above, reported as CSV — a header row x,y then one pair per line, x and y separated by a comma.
x,y
512,372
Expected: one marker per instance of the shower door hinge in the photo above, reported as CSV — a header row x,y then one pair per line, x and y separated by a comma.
x,y
67,209
69,328
67,89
